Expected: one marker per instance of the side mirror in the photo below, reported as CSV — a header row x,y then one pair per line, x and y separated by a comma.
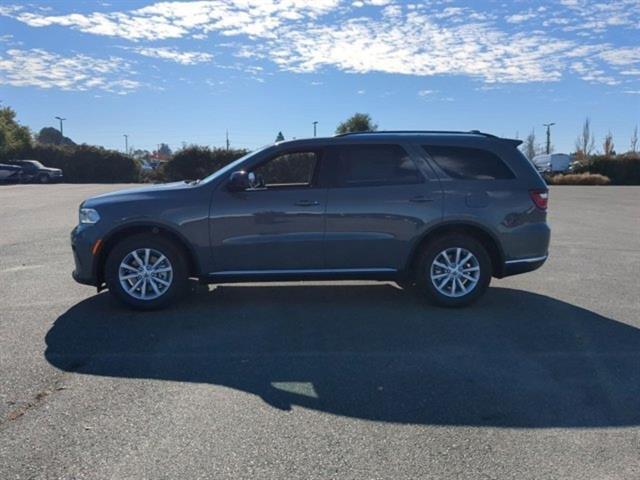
x,y
239,181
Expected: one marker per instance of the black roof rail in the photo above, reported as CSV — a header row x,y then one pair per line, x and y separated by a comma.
x,y
443,132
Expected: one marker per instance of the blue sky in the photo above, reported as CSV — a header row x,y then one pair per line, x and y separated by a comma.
x,y
179,72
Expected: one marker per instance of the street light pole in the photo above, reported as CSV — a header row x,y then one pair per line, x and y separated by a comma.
x,y
126,144
315,124
548,125
61,120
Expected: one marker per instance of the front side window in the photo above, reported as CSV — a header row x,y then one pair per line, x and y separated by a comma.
x,y
464,163
370,165
295,169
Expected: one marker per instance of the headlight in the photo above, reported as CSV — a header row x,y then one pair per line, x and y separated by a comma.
x,y
89,215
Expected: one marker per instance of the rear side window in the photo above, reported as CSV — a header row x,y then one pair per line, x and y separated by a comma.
x,y
469,163
370,165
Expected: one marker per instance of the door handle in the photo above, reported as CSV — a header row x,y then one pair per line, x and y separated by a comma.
x,y
420,199
307,203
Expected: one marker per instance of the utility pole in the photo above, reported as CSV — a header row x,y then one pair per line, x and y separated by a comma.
x,y
61,120
227,139
315,124
548,125
126,144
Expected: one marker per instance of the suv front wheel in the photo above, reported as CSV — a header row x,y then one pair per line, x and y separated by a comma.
x,y
453,271
146,272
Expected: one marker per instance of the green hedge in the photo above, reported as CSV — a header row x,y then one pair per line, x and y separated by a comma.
x,y
85,163
196,162
621,169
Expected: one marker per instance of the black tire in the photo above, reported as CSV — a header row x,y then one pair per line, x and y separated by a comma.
x,y
424,283
44,179
174,292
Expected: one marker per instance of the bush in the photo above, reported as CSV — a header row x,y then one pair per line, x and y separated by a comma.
x,y
621,169
579,179
152,176
195,162
85,163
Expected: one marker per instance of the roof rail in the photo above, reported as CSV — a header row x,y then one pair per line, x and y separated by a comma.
x,y
444,132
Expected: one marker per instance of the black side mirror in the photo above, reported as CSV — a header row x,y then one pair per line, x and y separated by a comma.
x,y
239,181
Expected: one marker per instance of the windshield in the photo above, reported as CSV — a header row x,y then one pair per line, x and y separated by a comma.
x,y
35,163
231,166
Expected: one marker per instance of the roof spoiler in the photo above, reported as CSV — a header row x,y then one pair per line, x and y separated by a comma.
x,y
516,142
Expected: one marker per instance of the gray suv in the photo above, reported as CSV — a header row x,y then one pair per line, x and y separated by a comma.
x,y
438,212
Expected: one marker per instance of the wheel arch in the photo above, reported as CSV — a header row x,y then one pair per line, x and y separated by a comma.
x,y
151,228
480,233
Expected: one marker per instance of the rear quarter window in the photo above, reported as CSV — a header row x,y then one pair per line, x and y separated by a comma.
x,y
463,163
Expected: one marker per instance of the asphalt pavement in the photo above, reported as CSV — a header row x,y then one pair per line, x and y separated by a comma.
x,y
540,379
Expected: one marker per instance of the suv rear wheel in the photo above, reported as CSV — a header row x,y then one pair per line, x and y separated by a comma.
x,y
146,272
453,271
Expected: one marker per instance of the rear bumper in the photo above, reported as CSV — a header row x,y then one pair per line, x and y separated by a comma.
x,y
523,265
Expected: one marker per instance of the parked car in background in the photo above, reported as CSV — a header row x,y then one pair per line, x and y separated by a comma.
x,y
34,171
10,173
552,163
441,211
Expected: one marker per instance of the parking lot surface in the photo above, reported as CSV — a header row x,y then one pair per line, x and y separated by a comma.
x,y
540,379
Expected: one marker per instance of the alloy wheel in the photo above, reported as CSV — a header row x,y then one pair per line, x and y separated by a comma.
x,y
145,274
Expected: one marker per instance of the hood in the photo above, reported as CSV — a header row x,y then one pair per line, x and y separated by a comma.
x,y
49,169
137,193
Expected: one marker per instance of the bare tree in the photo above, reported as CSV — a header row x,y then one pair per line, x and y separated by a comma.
x,y
585,143
634,140
608,146
530,146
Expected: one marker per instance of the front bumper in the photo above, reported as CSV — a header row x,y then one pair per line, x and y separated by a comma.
x,y
82,241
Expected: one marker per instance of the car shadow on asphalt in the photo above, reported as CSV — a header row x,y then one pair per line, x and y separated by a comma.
x,y
515,359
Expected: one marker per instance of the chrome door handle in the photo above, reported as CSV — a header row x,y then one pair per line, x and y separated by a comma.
x,y
307,203
420,199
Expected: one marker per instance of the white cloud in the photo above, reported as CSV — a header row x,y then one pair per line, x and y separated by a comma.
x,y
415,45
165,20
173,54
521,17
420,38
43,69
622,56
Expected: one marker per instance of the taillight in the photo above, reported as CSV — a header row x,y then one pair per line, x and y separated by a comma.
x,y
540,198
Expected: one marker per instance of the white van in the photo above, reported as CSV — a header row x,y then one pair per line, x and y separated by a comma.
x,y
554,162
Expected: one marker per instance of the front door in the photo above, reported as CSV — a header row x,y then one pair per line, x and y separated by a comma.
x,y
275,226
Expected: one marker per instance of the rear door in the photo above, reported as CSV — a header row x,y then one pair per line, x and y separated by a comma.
x,y
381,200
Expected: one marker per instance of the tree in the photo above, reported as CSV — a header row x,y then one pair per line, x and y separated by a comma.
x,y
530,146
163,152
585,143
196,162
52,136
607,146
280,137
14,138
359,122
634,140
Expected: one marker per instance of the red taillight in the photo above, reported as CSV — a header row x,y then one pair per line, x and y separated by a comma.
x,y
540,198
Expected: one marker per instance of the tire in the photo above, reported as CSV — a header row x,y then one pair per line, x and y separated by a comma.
x,y
474,275
172,271
43,179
